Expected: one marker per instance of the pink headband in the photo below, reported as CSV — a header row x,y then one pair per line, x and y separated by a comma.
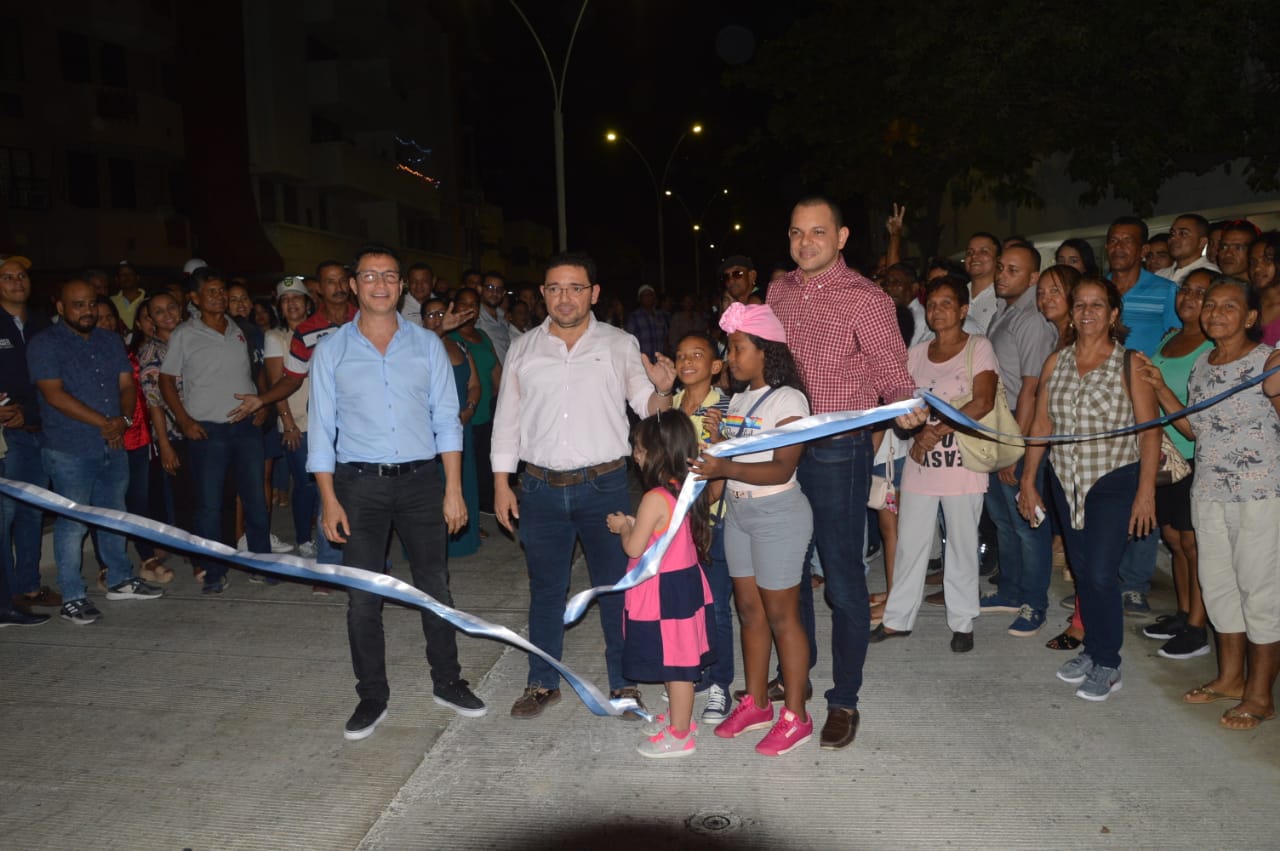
x,y
755,319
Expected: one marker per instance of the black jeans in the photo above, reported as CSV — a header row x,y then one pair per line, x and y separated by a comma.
x,y
412,504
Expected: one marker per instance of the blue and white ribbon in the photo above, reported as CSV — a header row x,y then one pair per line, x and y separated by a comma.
x,y
310,571
802,430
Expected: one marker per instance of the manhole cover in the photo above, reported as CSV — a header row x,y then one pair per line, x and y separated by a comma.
x,y
713,822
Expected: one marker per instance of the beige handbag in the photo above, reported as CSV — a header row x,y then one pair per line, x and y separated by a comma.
x,y
982,452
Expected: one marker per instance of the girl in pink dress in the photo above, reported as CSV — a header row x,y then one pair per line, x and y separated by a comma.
x,y
669,617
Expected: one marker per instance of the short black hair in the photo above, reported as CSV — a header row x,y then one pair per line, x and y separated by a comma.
x,y
946,264
497,275
990,237
904,266
203,274
573,258
1036,260
325,264
1132,221
420,267
1202,224
820,200
373,249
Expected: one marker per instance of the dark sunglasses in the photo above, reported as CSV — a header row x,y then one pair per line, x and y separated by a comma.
x,y
733,274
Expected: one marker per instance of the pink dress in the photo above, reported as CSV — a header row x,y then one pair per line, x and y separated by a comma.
x,y
668,618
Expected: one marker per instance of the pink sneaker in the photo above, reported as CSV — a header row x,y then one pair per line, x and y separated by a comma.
x,y
787,735
746,716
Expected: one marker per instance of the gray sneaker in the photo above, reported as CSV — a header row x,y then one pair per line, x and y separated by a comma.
x,y
1075,670
1100,683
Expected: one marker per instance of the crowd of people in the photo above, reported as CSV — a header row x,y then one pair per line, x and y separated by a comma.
x,y
367,398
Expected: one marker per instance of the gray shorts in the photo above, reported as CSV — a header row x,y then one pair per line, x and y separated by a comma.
x,y
766,538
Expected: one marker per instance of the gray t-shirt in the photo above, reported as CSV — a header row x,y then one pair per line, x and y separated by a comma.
x,y
214,367
1023,340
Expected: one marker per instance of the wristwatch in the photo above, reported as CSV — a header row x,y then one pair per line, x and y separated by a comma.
x,y
128,422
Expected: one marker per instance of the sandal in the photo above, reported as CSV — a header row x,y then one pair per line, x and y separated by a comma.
x,y
1064,641
1251,719
1204,694
154,571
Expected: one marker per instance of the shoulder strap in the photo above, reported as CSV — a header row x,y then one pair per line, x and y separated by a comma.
x,y
968,361
1128,370
752,410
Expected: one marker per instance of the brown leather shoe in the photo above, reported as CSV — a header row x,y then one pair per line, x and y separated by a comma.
x,y
936,599
841,728
776,693
43,597
533,701
633,693
934,578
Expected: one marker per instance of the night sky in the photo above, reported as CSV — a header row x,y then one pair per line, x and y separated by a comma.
x,y
648,70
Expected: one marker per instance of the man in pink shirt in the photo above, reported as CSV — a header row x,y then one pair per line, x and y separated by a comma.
x,y
843,332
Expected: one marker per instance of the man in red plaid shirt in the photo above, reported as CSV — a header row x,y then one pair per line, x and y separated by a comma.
x,y
843,332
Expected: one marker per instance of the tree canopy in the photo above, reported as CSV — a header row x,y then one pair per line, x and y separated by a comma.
x,y
961,99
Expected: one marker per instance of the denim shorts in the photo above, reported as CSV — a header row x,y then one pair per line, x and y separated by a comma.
x,y
766,538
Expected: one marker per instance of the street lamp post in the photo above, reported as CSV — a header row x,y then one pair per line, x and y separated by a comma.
x,y
695,225
613,136
557,115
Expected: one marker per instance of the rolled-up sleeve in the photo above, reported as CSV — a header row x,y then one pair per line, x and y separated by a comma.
x,y
445,425
322,411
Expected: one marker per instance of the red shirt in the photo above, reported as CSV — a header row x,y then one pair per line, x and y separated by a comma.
x,y
842,330
310,331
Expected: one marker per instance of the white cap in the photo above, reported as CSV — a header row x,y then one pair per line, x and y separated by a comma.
x,y
193,264
292,284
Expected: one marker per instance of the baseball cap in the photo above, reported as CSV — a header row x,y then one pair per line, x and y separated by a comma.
x,y
737,260
24,262
645,288
193,264
292,284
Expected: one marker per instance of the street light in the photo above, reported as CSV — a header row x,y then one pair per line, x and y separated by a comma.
x,y
557,115
613,136
697,227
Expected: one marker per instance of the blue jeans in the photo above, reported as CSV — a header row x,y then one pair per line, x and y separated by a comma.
x,y
98,480
836,477
1139,564
1026,554
552,519
21,525
233,449
720,672
304,499
1095,553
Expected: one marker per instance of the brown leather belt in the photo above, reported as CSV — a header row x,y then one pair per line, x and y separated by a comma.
x,y
568,478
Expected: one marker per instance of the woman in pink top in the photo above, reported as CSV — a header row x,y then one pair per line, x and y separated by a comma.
x,y
950,365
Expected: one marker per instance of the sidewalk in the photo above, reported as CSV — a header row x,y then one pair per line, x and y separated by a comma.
x,y
200,723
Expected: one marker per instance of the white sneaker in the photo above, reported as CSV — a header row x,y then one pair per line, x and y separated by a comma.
x,y
307,549
277,545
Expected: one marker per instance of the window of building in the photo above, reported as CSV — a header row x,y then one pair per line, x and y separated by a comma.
x,y
82,179
114,65
73,53
11,67
123,183
267,200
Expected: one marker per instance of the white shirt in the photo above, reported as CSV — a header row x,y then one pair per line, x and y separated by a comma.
x,y
277,346
922,332
565,409
1177,275
497,329
411,309
982,307
783,403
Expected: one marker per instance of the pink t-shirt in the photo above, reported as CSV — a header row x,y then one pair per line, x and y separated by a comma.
x,y
943,474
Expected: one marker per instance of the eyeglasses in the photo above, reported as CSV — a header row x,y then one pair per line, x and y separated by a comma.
x,y
1192,292
15,277
554,290
434,314
495,287
371,277
733,274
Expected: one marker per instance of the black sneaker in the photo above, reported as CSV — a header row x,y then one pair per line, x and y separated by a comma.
x,y
458,697
366,718
13,616
134,589
1188,644
1165,627
80,612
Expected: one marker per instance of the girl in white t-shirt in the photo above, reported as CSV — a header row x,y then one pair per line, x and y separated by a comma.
x,y
768,524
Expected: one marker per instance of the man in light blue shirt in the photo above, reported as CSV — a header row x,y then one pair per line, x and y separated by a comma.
x,y
383,408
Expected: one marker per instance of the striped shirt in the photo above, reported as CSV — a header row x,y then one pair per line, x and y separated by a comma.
x,y
843,332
